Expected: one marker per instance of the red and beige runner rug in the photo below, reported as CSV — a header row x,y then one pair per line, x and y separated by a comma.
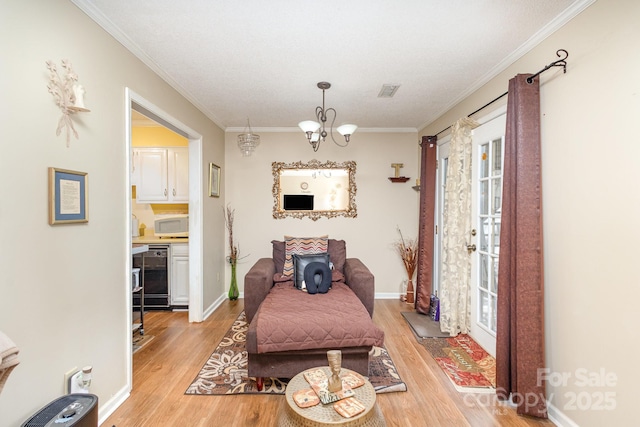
x,y
469,367
226,370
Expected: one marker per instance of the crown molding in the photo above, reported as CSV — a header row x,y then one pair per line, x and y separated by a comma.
x,y
92,12
554,25
297,130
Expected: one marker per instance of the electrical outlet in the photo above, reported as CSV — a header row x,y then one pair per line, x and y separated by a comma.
x,y
67,378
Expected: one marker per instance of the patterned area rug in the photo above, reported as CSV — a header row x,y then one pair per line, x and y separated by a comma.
x,y
469,367
226,370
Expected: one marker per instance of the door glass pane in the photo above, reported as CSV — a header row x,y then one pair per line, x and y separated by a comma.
x,y
484,271
496,191
484,197
483,310
496,236
485,233
484,161
494,313
496,164
494,278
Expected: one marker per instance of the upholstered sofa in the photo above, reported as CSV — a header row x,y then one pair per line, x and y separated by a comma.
x,y
291,330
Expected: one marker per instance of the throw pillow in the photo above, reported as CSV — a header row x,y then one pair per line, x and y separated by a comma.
x,y
301,261
278,254
317,277
302,246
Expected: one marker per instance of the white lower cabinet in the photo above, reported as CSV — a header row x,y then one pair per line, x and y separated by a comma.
x,y
179,274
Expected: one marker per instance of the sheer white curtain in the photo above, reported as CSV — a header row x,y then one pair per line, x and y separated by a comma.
x,y
456,263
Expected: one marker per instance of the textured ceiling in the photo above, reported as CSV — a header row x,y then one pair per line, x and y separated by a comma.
x,y
262,59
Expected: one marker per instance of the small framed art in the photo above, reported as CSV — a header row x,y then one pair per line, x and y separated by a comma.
x,y
214,180
68,196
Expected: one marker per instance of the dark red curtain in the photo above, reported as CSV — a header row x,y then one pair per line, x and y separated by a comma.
x,y
426,223
520,338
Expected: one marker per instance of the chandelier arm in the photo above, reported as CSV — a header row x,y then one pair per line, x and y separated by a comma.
x,y
331,128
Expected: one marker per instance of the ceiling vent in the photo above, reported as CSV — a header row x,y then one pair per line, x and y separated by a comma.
x,y
388,91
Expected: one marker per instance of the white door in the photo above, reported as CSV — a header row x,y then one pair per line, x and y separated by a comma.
x,y
486,207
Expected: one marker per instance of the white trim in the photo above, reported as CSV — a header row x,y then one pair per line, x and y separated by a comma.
x,y
558,22
108,408
387,295
214,306
297,130
558,417
87,7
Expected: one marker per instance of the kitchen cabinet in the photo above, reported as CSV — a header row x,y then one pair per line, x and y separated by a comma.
x,y
179,274
162,174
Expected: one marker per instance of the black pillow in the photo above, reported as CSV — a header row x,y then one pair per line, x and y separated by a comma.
x,y
317,277
301,261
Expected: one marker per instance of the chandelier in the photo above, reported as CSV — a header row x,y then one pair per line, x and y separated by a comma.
x,y
248,141
316,131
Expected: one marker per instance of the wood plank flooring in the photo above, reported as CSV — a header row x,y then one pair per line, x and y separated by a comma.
x,y
164,369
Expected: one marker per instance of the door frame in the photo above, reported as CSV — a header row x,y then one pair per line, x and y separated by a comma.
x,y
196,227
440,208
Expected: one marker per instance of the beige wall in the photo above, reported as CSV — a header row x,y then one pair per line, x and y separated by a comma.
x,y
382,206
63,288
591,201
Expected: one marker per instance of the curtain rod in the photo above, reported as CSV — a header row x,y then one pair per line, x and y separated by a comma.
x,y
559,63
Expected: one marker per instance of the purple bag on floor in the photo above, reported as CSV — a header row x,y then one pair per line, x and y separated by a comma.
x,y
434,307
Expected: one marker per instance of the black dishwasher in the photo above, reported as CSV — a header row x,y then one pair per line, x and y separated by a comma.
x,y
156,278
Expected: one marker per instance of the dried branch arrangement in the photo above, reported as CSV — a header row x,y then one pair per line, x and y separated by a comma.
x,y
234,250
408,251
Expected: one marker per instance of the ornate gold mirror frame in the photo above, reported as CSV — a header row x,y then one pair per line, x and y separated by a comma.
x,y
330,187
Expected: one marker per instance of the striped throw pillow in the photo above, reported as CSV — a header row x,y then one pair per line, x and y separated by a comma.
x,y
302,246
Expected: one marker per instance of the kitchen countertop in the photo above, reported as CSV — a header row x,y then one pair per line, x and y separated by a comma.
x,y
139,248
153,239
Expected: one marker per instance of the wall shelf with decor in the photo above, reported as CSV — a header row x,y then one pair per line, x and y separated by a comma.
x,y
399,178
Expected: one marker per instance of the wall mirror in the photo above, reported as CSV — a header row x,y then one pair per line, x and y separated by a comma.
x,y
314,190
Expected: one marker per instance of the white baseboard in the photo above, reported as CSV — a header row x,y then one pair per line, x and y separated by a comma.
x,y
110,406
559,418
388,295
217,303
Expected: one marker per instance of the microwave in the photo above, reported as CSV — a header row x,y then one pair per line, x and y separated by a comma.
x,y
172,226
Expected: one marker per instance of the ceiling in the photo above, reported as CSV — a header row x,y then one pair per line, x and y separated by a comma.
x,y
262,60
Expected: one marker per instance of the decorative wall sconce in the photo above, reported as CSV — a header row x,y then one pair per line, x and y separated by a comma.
x,y
397,177
68,95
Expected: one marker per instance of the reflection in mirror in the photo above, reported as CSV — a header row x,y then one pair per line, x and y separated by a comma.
x,y
314,190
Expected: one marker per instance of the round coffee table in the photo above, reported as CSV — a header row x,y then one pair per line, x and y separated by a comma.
x,y
325,415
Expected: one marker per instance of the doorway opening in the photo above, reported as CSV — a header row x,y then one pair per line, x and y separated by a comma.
x,y
136,104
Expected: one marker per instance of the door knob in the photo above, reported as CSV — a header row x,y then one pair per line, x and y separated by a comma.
x,y
471,248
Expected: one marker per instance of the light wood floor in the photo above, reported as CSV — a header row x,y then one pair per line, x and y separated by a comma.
x,y
168,364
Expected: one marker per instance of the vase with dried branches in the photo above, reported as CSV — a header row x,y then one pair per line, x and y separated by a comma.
x,y
234,252
408,251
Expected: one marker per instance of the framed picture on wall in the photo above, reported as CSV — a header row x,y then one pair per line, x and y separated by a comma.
x,y
214,180
68,196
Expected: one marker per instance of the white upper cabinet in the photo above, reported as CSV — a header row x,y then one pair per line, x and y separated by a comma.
x,y
162,175
179,174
